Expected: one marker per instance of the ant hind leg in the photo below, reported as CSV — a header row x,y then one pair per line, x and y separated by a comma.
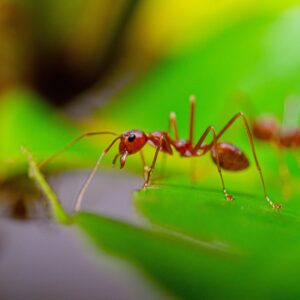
x,y
214,145
250,138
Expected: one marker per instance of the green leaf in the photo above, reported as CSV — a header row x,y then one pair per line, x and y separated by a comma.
x,y
267,240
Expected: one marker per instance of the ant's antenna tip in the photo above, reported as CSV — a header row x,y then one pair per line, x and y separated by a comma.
x,y
172,115
192,98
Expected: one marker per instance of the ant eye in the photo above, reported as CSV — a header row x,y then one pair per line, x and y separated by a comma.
x,y
131,137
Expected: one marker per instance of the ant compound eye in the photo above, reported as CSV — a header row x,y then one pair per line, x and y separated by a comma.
x,y
131,137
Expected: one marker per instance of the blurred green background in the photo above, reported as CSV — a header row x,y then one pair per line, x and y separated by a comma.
x,y
72,66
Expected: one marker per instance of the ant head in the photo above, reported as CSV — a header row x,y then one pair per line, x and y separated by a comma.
x,y
131,142
265,127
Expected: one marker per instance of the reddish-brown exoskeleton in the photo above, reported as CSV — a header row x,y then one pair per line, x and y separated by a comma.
x,y
225,155
268,129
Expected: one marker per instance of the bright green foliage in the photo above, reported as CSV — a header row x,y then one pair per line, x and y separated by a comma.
x,y
25,120
257,55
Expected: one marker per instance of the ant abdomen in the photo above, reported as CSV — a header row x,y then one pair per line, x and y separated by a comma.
x,y
230,157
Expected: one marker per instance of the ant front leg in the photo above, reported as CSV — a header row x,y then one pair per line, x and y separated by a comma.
x,y
145,166
209,147
158,148
250,138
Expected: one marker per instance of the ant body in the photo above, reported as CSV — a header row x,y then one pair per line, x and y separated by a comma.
x,y
225,155
268,129
283,136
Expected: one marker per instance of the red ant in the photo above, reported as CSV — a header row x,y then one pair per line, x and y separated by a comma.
x,y
285,136
225,155
268,129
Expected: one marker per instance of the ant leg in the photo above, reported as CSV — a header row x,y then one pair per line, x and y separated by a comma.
x,y
173,124
192,118
191,137
145,167
91,176
146,183
76,140
214,145
250,138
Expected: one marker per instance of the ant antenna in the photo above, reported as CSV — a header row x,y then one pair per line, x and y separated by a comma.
x,y
91,176
76,140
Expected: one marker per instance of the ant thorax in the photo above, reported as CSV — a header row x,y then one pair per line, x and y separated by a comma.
x,y
185,148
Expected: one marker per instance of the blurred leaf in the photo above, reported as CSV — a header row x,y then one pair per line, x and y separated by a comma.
x,y
178,264
256,55
25,120
178,24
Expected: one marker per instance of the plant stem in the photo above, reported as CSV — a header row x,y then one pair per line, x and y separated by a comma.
x,y
57,209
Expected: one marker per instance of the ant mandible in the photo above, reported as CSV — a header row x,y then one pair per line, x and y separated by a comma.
x,y
225,155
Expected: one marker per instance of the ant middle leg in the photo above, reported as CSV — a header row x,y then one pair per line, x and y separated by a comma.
x,y
145,166
192,118
158,148
172,124
250,138
214,145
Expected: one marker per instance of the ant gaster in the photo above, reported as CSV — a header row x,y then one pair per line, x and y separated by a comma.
x,y
225,155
